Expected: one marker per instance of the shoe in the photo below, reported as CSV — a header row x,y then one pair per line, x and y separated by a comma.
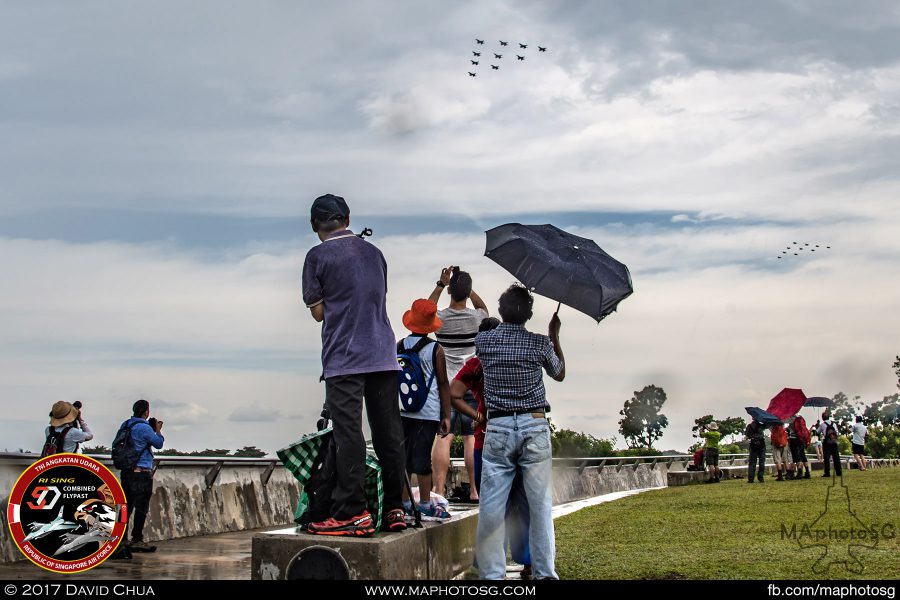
x,y
140,546
527,574
749,481
436,512
827,475
779,478
394,520
760,480
361,525
806,476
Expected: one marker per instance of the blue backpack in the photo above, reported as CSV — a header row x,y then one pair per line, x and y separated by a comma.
x,y
125,455
414,389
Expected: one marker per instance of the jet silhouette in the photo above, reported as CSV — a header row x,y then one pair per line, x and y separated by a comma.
x,y
39,530
498,56
540,49
495,67
474,62
471,74
476,53
502,43
522,46
520,57
477,41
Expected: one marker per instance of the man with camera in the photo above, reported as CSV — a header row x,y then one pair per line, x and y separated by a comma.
x,y
457,337
137,481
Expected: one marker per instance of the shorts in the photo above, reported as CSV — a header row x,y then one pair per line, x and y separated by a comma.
x,y
712,457
418,438
859,448
466,426
798,450
781,456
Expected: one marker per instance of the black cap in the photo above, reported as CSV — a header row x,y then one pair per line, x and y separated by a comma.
x,y
329,208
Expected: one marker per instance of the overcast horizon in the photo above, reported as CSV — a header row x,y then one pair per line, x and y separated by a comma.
x,y
160,160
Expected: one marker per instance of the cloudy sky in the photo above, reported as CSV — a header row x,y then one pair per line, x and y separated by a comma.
x,y
159,159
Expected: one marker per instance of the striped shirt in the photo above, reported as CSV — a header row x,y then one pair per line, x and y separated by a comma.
x,y
457,336
512,359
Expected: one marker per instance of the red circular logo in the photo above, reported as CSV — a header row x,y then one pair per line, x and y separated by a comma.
x,y
67,513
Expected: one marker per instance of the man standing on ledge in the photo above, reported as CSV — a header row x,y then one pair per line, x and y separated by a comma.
x,y
518,434
344,287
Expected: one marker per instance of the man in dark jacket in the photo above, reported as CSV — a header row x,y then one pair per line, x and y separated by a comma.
x,y
757,461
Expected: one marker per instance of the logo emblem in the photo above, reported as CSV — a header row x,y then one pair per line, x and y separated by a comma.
x,y
67,513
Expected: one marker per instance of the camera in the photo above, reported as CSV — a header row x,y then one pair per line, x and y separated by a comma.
x,y
455,275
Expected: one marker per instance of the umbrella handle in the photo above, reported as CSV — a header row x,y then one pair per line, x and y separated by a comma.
x,y
557,308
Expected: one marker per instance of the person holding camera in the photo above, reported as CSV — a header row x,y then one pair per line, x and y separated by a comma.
x,y
137,482
67,430
457,337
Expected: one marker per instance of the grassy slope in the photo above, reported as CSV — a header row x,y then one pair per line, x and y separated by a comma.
x,y
731,530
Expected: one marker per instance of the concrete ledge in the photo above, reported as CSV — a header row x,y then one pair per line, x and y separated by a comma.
x,y
437,551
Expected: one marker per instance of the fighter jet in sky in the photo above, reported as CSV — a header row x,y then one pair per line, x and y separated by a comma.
x,y
520,57
541,49
502,43
522,46
498,55
495,67
39,530
477,41
471,74
474,62
476,53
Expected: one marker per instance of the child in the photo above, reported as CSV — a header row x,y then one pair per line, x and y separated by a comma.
x,y
420,426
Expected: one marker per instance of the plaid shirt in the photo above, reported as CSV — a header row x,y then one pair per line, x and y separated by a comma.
x,y
512,358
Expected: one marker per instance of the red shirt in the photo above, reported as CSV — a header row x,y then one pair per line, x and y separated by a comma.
x,y
473,378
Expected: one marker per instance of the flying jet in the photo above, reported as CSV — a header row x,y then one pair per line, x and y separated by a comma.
x,y
541,49
471,74
474,62
522,46
477,41
74,541
502,43
498,55
476,53
495,67
39,530
520,57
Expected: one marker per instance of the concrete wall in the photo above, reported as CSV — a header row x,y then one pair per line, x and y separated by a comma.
x,y
183,505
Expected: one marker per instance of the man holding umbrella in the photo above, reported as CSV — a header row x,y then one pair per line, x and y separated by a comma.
x,y
518,433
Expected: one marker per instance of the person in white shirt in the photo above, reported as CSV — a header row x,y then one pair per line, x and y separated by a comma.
x,y
859,443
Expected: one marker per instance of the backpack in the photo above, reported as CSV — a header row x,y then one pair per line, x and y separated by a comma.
x,y
755,434
779,436
414,389
321,484
125,455
54,442
831,432
801,430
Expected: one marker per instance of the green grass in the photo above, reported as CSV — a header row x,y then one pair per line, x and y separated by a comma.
x,y
732,530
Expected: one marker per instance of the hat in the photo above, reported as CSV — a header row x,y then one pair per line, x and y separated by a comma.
x,y
62,413
714,426
329,208
422,317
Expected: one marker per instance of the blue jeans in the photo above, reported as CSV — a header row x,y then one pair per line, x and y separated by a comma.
x,y
519,441
517,518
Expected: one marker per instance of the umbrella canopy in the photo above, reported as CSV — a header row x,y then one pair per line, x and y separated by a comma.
x,y
300,457
564,267
762,416
786,403
818,401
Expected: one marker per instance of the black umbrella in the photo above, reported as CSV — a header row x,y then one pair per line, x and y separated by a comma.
x,y
762,416
817,401
570,269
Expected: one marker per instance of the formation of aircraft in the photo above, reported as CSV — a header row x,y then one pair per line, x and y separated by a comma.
x,y
498,56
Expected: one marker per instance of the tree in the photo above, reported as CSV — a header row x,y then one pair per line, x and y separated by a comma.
x,y
884,441
641,423
896,367
95,450
728,427
249,452
884,412
844,411
573,444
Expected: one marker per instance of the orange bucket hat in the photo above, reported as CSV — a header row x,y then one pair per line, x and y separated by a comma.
x,y
422,317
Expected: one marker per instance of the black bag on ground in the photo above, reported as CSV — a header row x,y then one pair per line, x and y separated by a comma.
x,y
125,454
322,480
54,442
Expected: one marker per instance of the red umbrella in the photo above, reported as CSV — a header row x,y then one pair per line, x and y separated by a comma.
x,y
787,403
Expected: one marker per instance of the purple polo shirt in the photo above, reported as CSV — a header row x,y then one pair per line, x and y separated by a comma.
x,y
349,276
